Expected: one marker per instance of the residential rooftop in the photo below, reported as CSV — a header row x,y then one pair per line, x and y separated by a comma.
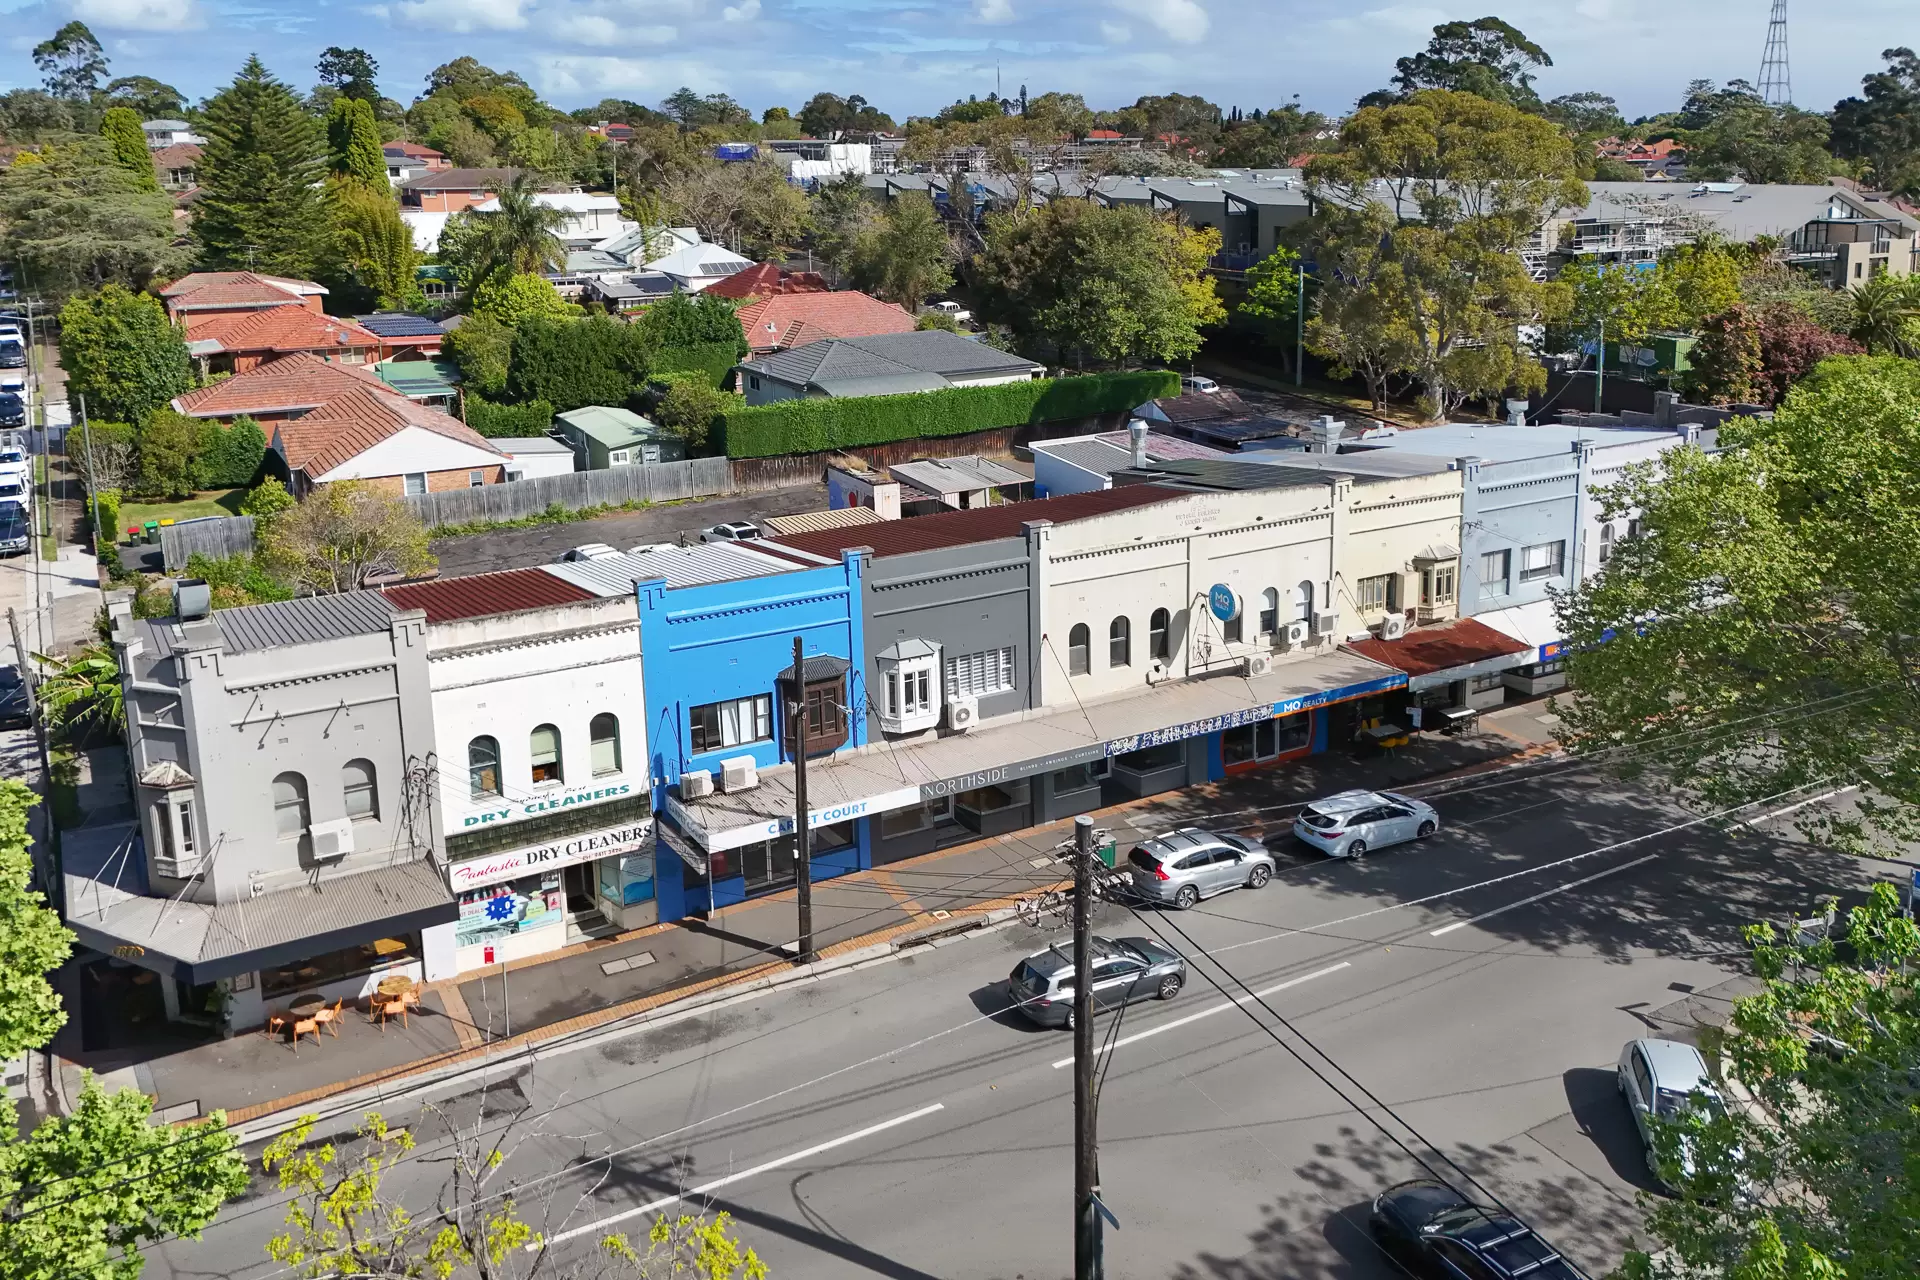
x,y
980,524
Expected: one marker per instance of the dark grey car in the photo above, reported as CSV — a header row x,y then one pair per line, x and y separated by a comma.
x,y
1124,970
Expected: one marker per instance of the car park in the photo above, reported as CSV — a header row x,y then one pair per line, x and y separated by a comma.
x,y
586,551
1349,824
1124,970
1663,1080
731,531
1182,867
1432,1230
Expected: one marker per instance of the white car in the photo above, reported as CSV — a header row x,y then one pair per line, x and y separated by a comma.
x,y
1194,385
952,310
1664,1079
1349,824
731,531
586,551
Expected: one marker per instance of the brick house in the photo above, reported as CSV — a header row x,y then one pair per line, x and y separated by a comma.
x,y
451,190
237,343
787,320
204,298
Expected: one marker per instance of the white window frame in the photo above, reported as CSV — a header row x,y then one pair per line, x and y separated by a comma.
x,y
407,483
476,479
754,711
620,457
978,675
1496,584
1439,585
1374,593
1543,560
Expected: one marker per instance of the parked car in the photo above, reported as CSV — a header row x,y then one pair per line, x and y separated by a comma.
x,y
15,492
1664,1079
586,551
1432,1230
1184,866
952,310
1124,970
13,410
1194,385
15,533
1349,824
14,461
15,711
12,356
731,531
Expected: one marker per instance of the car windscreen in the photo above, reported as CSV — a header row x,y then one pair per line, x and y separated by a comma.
x,y
1142,859
1033,979
1319,821
1671,1102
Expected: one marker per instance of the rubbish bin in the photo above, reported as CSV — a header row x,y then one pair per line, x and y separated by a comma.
x,y
152,530
1106,852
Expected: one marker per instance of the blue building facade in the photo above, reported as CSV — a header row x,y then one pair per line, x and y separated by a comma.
x,y
719,658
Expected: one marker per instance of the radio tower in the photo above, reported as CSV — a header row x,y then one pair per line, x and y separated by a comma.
x,y
1776,83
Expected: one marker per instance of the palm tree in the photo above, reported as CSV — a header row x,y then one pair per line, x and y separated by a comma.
x,y
1886,315
521,237
83,691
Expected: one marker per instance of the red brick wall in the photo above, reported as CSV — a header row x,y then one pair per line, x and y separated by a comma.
x,y
440,481
445,201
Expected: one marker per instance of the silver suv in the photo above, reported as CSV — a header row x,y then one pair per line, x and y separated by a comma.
x,y
1185,866
1349,824
1124,970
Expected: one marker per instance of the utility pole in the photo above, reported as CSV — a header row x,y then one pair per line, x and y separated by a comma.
x,y
1086,1159
1300,324
802,837
1600,369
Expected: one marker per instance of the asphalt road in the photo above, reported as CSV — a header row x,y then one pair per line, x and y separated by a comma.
x,y
521,548
896,1120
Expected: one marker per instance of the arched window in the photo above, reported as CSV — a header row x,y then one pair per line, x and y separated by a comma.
x,y
1079,650
1606,543
1303,602
1269,611
1120,642
290,818
483,767
363,796
543,745
1157,638
605,734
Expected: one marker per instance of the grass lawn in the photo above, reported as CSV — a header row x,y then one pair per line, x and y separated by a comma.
x,y
208,502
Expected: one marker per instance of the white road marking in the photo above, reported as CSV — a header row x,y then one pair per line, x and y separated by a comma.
x,y
1781,813
1218,1008
707,1187
1575,884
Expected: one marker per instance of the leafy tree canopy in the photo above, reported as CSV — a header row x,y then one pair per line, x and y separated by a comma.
x,y
1882,126
747,204
72,61
573,363
122,353
353,73
906,255
691,111
513,299
1733,133
79,219
481,346
690,320
343,534
121,128
827,114
147,98
1487,56
353,143
33,942
259,206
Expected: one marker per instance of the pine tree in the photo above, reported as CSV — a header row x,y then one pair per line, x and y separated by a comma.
x,y
260,207
120,126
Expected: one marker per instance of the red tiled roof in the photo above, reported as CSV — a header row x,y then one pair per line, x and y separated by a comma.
x,y
415,150
1430,649
298,381
775,323
204,289
982,524
181,155
1105,134
482,594
283,329
356,419
764,279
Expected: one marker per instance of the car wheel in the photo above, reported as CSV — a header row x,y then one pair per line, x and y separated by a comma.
x,y
1427,828
1358,849
1169,987
1261,874
1068,1024
1187,896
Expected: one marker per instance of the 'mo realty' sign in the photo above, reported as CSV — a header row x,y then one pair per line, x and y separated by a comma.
x,y
515,863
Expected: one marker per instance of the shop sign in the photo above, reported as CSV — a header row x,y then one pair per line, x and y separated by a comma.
x,y
540,857
1327,697
738,837
548,802
1191,729
1553,650
1222,603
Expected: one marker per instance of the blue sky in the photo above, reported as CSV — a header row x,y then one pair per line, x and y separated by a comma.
x,y
912,56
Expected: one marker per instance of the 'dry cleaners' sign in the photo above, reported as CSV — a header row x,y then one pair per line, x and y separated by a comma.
x,y
548,803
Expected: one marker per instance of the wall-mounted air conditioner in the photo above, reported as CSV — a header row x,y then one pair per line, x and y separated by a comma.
x,y
738,774
1257,664
1393,626
696,783
962,713
332,839
1326,624
1295,634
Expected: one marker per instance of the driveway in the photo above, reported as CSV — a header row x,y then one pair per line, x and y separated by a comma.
x,y
521,548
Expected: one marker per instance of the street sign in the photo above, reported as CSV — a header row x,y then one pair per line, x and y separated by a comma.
x,y
1221,601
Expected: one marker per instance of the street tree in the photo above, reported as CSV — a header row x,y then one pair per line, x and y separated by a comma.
x,y
76,219
121,128
906,255
1428,204
345,533
121,352
1753,638
33,942
260,202
352,73
1487,57
1812,1180
108,459
1272,296
1098,286
1881,128
72,62
748,205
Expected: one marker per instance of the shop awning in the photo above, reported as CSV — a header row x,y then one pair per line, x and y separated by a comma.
x,y
1533,624
1439,655
882,778
109,909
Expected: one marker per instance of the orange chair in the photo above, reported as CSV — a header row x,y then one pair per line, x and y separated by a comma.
x,y
330,1016
276,1023
302,1026
387,1007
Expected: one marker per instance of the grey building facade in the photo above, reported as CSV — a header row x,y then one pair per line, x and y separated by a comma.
x,y
281,759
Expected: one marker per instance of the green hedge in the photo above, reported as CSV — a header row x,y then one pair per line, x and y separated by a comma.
x,y
491,419
715,359
819,425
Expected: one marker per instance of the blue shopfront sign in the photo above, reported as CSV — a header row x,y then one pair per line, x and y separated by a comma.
x,y
1222,603
1252,715
1398,680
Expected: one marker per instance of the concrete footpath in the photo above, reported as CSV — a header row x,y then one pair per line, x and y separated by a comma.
x,y
602,986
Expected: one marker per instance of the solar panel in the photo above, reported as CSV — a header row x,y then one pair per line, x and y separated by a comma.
x,y
723,268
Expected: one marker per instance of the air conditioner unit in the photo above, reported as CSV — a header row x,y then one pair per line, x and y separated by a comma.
x,y
695,784
1258,664
332,839
1326,624
962,713
1297,633
738,774
1393,626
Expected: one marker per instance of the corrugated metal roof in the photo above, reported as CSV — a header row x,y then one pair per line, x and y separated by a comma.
x,y
1215,476
1162,447
482,594
1429,649
982,524
689,566
955,475
309,620
815,521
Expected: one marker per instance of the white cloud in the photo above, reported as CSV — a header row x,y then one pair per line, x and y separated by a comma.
x,y
139,15
1115,33
994,11
745,11
1412,19
462,16
1181,20
600,76
600,30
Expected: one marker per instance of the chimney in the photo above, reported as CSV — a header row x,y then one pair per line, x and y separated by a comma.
x,y
1137,438
1325,432
1665,404
1517,412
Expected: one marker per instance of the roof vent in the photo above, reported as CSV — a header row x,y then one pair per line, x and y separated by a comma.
x,y
192,600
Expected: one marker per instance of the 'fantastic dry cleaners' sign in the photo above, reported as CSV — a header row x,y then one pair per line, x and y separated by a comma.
x,y
515,863
545,804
